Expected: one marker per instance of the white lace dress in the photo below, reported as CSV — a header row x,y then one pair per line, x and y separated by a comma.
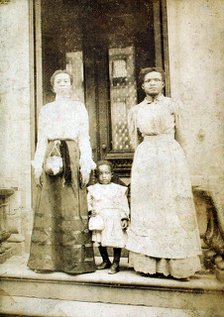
x,y
111,203
163,236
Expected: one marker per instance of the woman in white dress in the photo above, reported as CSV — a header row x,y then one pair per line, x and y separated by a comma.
x,y
61,240
163,237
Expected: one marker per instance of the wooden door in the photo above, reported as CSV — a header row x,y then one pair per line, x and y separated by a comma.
x,y
120,38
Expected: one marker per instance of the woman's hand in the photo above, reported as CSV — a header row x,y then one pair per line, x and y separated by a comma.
x,y
124,223
37,177
38,181
84,178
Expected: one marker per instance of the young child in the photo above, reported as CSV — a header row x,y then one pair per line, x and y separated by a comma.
x,y
109,201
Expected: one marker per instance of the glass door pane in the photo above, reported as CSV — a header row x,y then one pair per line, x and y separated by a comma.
x,y
123,95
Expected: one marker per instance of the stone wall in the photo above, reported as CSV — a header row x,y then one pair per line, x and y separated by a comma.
x,y
196,53
15,113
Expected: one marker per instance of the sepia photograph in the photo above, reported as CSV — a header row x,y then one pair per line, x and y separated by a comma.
x,y
112,158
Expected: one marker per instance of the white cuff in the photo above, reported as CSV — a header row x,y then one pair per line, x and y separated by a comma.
x,y
86,165
37,169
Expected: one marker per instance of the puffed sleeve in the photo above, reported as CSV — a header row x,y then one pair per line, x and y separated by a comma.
x,y
37,163
132,127
86,162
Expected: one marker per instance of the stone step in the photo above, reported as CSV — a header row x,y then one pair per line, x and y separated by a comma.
x,y
22,306
203,294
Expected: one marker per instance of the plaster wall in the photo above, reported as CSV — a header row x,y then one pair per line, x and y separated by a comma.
x,y
15,115
196,56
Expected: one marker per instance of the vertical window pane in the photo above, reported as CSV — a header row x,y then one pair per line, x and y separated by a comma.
x,y
123,95
119,68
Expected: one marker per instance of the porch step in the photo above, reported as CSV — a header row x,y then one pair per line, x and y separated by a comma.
x,y
63,308
56,293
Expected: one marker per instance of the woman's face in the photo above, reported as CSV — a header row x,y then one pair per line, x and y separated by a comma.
x,y
153,83
104,174
62,84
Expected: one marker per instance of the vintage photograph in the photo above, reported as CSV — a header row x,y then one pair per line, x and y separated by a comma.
x,y
112,158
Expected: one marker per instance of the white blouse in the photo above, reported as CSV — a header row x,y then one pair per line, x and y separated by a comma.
x,y
64,119
161,116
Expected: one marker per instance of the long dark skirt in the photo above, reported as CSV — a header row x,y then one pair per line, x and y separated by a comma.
x,y
61,240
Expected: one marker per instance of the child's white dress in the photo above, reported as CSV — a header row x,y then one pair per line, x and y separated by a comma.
x,y
110,201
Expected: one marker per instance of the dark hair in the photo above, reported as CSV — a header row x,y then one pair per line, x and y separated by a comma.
x,y
145,71
103,162
60,71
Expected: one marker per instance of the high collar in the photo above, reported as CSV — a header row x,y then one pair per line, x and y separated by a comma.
x,y
156,99
62,98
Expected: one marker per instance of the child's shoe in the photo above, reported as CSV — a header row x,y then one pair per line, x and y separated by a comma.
x,y
114,268
104,265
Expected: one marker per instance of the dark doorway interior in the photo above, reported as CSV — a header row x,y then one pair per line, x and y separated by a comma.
x,y
104,44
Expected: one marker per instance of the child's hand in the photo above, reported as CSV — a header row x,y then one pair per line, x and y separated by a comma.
x,y
124,223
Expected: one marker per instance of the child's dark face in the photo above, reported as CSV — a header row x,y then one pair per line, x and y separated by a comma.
x,y
104,174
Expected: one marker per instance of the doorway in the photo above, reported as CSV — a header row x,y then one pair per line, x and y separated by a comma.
x,y
104,43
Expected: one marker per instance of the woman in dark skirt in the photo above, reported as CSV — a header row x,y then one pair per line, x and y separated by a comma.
x,y
61,240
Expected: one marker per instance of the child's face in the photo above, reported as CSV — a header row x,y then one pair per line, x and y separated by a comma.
x,y
104,174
